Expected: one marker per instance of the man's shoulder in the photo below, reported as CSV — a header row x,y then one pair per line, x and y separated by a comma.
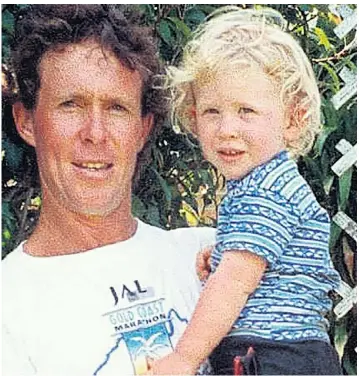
x,y
191,238
194,234
13,259
190,234
14,274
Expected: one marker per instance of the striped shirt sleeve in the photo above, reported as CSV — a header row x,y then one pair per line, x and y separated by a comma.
x,y
262,222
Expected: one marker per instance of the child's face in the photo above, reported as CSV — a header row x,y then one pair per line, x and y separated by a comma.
x,y
240,121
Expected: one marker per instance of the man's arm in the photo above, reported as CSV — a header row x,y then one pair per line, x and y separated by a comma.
x,y
203,263
224,296
195,246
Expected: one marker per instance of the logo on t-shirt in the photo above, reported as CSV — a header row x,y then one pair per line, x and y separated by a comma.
x,y
132,292
144,331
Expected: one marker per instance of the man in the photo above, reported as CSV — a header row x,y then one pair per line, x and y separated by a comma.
x,y
93,291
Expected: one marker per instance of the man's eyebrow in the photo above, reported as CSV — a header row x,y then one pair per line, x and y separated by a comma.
x,y
127,100
86,95
67,94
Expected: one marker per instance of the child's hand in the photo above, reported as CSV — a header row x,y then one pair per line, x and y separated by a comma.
x,y
203,266
172,364
149,371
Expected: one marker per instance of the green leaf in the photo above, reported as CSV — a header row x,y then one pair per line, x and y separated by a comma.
x,y
350,125
6,211
7,22
326,164
349,367
13,154
158,157
321,139
333,75
304,7
36,201
194,16
181,26
8,219
153,215
327,183
6,234
205,176
189,214
207,9
164,32
164,186
148,10
138,207
323,39
313,167
340,336
335,232
345,182
330,114
5,38
322,7
351,65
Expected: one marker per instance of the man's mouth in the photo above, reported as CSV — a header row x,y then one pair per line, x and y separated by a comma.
x,y
94,166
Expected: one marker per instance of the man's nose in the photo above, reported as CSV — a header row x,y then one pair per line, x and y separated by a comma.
x,y
94,128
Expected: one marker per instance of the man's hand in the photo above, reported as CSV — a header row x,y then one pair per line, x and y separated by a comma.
x,y
203,267
172,364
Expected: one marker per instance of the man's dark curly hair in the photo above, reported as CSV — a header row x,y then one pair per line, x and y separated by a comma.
x,y
43,28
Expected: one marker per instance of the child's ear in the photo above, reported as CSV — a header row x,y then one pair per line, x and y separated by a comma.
x,y
24,122
295,124
192,113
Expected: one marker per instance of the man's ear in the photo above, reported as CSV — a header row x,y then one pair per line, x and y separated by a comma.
x,y
24,122
147,125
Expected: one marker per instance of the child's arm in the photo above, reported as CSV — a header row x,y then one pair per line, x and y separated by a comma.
x,y
225,294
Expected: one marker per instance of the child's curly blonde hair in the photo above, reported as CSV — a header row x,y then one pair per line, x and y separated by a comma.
x,y
233,37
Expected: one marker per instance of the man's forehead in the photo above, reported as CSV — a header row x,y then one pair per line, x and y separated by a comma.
x,y
88,72
87,51
88,58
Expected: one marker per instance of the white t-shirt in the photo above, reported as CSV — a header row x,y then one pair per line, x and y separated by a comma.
x,y
102,312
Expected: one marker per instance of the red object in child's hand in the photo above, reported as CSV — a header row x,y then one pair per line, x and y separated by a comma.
x,y
237,365
238,362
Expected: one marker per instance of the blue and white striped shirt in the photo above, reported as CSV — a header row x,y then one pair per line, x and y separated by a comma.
x,y
273,213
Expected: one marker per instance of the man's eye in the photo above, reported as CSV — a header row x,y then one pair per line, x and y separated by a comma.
x,y
69,104
118,108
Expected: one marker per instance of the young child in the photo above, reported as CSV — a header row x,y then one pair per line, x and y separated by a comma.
x,y
246,89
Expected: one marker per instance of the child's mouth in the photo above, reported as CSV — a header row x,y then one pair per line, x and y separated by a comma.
x,y
230,153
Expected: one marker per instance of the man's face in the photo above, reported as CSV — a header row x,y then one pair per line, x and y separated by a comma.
x,y
87,129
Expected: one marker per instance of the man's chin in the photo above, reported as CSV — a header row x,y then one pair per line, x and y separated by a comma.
x,y
93,212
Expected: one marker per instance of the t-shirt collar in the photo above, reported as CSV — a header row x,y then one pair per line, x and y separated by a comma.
x,y
260,172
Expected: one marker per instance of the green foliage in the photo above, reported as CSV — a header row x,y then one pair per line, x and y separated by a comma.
x,y
176,187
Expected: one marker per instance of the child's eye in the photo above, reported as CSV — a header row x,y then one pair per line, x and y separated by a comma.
x,y
210,111
245,111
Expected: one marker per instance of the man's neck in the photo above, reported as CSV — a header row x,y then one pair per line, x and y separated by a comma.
x,y
65,232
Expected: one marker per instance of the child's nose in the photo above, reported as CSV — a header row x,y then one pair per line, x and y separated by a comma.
x,y
229,127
